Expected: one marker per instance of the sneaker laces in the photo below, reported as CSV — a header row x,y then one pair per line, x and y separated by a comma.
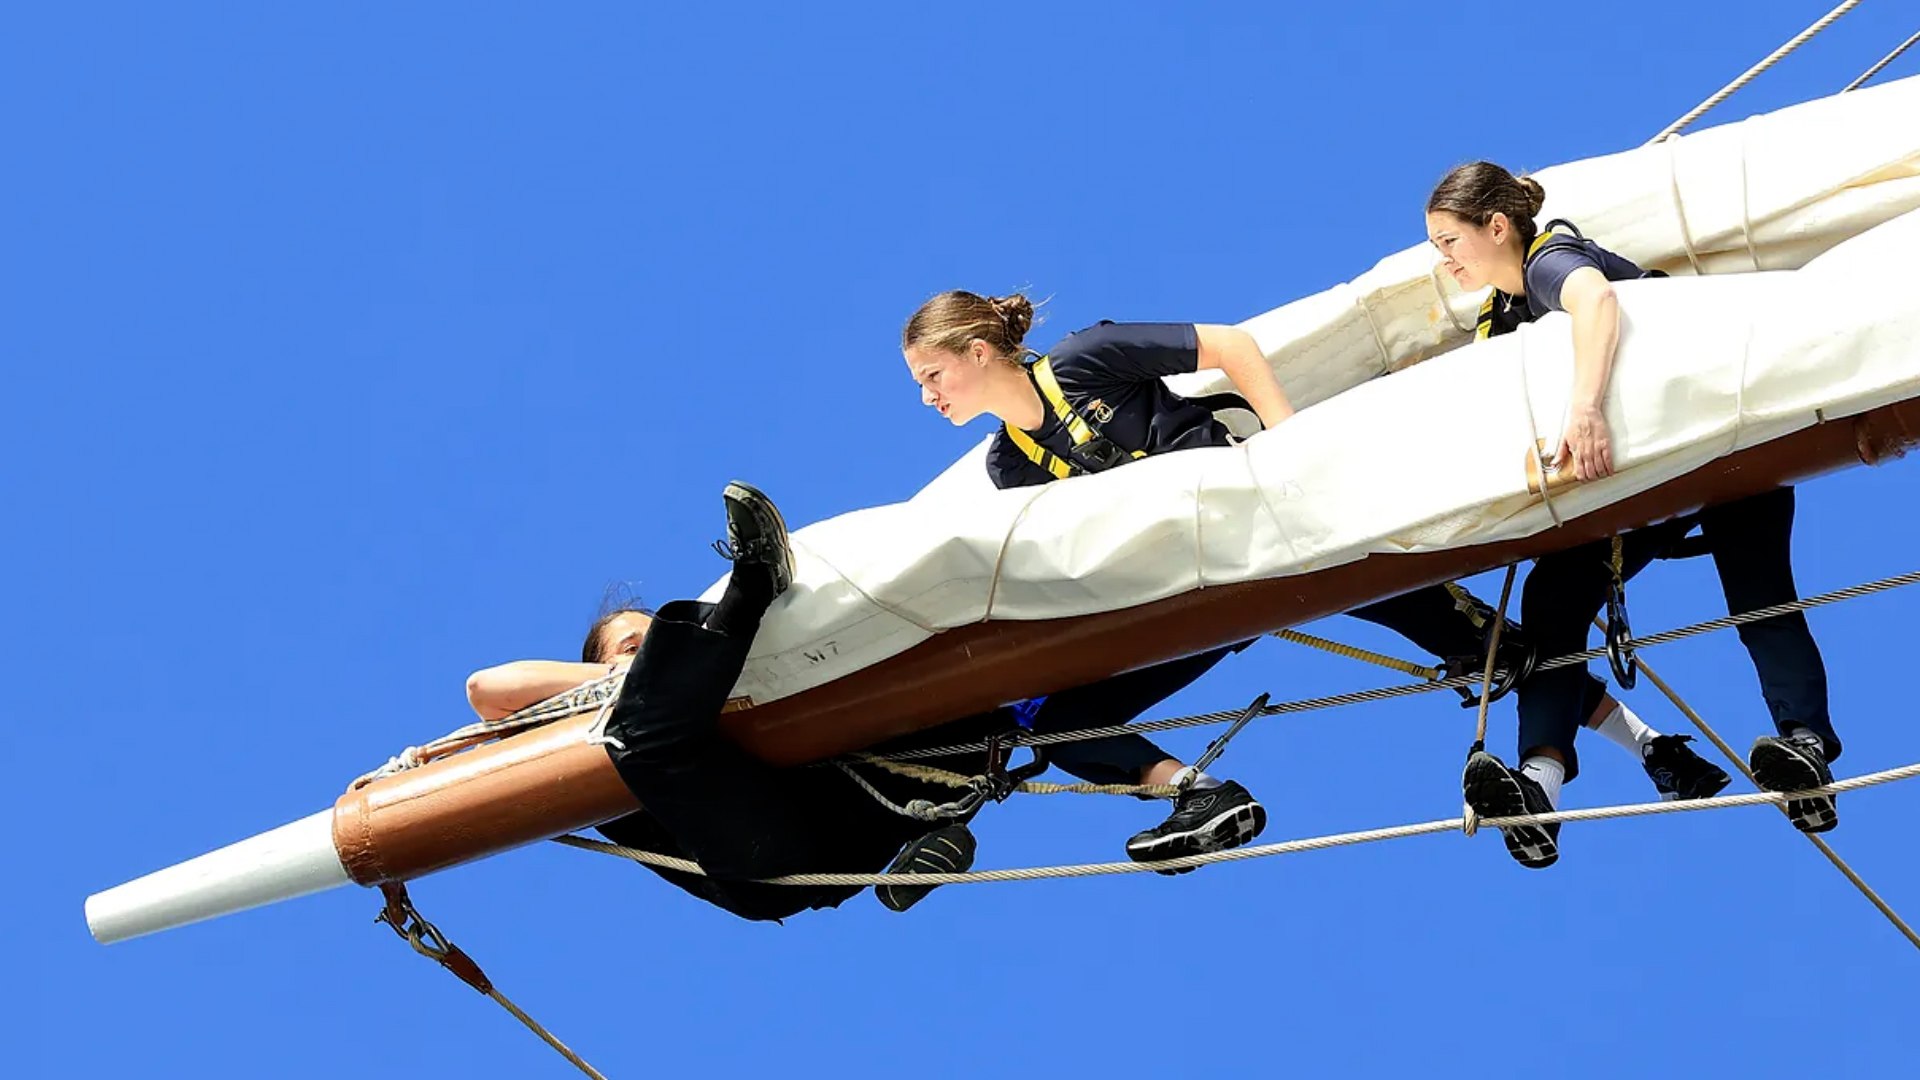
x,y
748,551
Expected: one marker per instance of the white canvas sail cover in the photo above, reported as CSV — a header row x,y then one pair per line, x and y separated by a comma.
x,y
1434,456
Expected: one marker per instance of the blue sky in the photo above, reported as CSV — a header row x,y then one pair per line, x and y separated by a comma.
x,y
351,348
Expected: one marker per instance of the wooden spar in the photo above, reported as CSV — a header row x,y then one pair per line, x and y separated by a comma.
x,y
550,781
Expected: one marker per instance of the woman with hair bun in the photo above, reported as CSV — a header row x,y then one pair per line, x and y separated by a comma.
x,y
1108,406
1481,219
1096,401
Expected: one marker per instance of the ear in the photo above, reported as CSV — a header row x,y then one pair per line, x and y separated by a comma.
x,y
1499,227
978,352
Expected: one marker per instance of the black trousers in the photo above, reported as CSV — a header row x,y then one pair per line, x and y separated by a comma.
x,y
1751,541
708,800
1118,759
1431,619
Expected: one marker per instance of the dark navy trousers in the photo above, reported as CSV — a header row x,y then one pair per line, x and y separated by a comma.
x,y
706,799
1751,541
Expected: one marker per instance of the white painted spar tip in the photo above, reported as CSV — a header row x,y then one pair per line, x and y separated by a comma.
x,y
293,860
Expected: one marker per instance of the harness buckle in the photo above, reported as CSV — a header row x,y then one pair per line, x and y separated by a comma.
x,y
1099,454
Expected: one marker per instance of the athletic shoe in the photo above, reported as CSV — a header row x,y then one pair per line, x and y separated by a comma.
x,y
1796,764
946,850
1680,774
1213,819
756,534
1495,791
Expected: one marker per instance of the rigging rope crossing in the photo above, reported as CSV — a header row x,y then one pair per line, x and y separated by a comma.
x,y
1819,842
1384,693
1289,847
1753,72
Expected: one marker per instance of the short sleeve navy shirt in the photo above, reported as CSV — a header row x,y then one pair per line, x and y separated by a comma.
x,y
1548,270
1110,374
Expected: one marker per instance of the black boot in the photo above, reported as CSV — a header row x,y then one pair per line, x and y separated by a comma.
x,y
762,559
946,850
1495,791
1788,763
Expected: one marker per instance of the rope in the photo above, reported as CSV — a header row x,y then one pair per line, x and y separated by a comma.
x,y
1469,817
1394,663
1751,73
1289,847
1700,724
1386,693
1493,650
1031,787
427,940
593,695
1884,61
925,809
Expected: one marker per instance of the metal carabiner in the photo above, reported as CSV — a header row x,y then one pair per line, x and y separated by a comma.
x,y
1621,656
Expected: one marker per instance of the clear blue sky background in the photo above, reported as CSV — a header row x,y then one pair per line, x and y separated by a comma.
x,y
351,348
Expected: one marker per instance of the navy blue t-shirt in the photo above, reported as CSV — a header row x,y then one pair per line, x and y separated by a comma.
x,y
1547,270
1110,374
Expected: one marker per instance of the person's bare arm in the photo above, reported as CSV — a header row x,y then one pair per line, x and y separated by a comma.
x,y
1588,297
1234,351
507,688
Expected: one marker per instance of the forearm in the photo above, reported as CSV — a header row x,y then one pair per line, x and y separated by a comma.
x,y
499,691
1235,352
1596,334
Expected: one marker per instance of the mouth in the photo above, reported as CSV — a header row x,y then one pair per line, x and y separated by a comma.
x,y
946,410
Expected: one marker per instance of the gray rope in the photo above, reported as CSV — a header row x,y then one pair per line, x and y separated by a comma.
x,y
924,809
1753,72
1289,847
1884,61
1385,693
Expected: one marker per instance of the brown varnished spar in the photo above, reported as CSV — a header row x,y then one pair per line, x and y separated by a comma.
x,y
549,781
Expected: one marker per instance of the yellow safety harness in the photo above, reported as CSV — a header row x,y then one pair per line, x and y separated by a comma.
x,y
1485,325
1082,433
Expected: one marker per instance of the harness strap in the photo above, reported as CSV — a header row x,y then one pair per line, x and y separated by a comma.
x,y
1079,430
1060,467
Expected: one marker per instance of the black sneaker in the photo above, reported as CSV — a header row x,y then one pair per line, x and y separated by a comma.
x,y
1494,791
756,534
1680,774
1796,764
946,850
1215,819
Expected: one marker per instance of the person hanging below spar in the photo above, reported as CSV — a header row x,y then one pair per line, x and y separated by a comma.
x,y
1481,218
1096,401
705,799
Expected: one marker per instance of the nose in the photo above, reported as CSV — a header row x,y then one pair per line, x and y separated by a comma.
x,y
926,396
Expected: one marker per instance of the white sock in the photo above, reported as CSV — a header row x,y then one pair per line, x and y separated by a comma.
x,y
1201,781
1623,728
1548,773
1808,734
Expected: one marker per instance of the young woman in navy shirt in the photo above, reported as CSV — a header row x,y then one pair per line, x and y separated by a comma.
x,y
1481,219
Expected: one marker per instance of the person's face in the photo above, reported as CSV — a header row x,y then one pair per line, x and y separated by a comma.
x,y
622,635
953,383
1470,253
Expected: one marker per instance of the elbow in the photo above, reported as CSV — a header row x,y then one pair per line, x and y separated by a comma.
x,y
484,693
1241,344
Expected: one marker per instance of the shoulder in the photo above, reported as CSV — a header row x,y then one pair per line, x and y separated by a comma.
x,y
1125,352
1117,335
